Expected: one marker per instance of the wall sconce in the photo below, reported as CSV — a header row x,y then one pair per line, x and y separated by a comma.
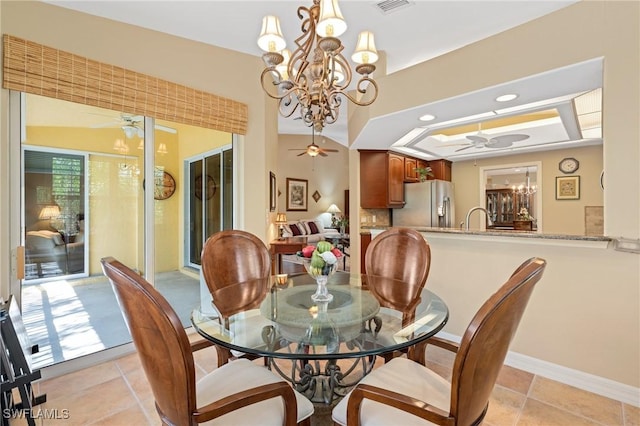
x,y
333,209
281,219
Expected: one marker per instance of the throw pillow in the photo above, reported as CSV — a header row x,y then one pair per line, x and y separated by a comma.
x,y
305,227
313,228
295,230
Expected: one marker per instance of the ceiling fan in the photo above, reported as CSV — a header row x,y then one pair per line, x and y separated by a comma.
x,y
482,140
313,150
132,125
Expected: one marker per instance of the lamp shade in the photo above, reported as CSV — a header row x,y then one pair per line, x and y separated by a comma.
x,y
366,52
331,23
333,209
281,218
271,39
49,212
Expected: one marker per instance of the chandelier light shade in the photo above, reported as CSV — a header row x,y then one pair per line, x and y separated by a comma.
x,y
271,39
313,78
331,22
366,52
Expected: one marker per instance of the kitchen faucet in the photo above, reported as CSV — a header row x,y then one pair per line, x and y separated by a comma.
x,y
489,222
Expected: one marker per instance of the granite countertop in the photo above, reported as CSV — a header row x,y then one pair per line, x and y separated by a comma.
x,y
495,233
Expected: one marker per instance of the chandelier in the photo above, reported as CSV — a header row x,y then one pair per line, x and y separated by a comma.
x,y
527,189
313,77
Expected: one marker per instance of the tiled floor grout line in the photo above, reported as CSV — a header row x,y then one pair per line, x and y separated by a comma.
x,y
135,394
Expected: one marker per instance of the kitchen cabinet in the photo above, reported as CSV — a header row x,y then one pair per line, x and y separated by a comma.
x,y
441,169
381,179
410,174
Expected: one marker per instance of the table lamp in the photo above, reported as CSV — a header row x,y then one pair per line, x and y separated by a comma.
x,y
281,219
333,209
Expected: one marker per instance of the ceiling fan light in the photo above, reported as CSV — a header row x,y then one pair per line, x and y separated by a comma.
x,y
365,52
427,117
271,39
331,23
130,131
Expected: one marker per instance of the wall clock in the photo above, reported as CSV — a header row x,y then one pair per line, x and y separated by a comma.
x,y
165,186
568,165
211,187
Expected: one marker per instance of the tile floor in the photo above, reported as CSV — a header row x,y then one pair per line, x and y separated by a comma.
x,y
116,393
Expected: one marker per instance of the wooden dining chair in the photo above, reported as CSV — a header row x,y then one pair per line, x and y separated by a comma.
x,y
238,392
236,266
403,255
404,391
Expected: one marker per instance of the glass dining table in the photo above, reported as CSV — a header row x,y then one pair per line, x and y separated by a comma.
x,y
324,349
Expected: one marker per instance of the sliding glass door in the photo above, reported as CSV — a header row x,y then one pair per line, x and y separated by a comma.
x,y
210,199
95,183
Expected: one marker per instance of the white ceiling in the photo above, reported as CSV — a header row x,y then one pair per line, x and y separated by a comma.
x,y
418,32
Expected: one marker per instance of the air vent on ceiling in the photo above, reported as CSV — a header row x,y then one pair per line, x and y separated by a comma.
x,y
388,6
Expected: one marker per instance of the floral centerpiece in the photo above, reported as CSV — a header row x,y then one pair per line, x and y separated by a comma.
x,y
523,214
320,261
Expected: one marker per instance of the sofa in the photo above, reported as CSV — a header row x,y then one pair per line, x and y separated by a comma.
x,y
44,246
312,230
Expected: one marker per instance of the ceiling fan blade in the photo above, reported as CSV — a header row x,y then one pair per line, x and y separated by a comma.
x,y
466,147
477,139
508,139
301,154
103,125
329,150
498,144
323,154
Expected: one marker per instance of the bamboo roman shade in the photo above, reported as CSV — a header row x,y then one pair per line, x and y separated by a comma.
x,y
33,68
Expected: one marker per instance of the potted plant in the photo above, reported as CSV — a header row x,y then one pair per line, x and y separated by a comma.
x,y
342,224
423,173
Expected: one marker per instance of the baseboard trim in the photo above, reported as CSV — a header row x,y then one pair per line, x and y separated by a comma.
x,y
579,379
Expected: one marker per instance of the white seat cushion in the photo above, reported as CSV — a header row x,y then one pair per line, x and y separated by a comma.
x,y
240,375
405,377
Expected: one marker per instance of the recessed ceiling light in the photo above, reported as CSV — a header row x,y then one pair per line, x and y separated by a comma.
x,y
427,117
506,98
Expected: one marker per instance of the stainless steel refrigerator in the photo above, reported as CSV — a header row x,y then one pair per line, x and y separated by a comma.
x,y
429,204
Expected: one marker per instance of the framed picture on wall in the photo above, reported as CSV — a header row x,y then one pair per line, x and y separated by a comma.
x,y
272,192
297,194
567,187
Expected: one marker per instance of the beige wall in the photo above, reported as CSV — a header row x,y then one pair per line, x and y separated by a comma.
x,y
559,216
586,312
327,175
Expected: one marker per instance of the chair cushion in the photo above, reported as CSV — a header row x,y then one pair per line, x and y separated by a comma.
x,y
403,376
240,375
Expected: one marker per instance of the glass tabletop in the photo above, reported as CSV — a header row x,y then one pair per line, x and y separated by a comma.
x,y
355,323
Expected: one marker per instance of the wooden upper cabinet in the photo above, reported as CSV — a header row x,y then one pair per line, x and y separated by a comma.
x,y
410,174
381,179
441,169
